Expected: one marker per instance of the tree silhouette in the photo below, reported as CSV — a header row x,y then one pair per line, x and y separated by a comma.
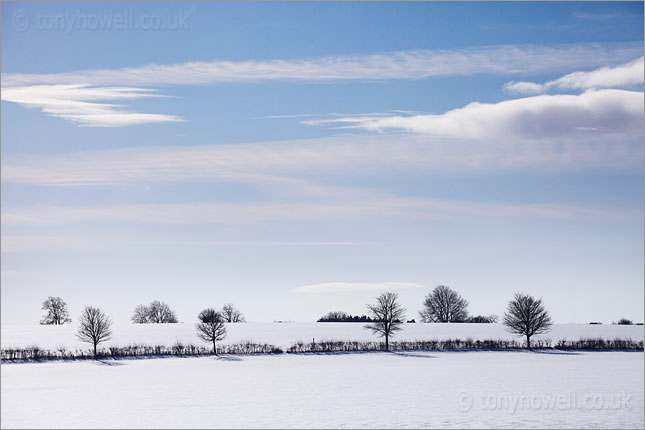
x,y
444,305
157,313
210,327
526,316
94,327
57,312
231,315
387,316
140,315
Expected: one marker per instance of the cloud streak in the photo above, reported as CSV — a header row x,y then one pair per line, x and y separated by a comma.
x,y
354,287
622,76
282,165
30,244
416,64
589,115
79,104
374,206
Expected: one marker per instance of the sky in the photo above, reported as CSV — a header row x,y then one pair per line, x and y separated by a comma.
x,y
300,158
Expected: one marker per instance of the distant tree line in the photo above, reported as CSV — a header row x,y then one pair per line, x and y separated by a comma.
x,y
482,319
344,317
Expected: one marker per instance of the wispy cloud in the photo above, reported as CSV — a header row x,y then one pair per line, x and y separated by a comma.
x,y
354,287
286,165
79,103
30,244
373,207
590,16
417,64
591,114
622,76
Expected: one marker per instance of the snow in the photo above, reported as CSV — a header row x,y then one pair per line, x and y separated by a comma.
x,y
417,389
285,334
386,390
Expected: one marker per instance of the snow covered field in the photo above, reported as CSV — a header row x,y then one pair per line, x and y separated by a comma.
x,y
284,334
385,390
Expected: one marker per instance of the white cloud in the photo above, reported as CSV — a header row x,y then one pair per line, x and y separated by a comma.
x,y
625,75
78,104
74,95
353,287
524,87
417,64
591,114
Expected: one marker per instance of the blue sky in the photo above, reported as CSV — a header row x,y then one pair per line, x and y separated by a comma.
x,y
297,158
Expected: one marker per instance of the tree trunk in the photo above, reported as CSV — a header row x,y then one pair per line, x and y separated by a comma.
x,y
214,348
528,342
387,343
94,349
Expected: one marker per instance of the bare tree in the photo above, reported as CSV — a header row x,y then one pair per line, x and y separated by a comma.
x,y
140,315
444,305
210,327
57,312
232,315
388,316
526,316
94,327
157,313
